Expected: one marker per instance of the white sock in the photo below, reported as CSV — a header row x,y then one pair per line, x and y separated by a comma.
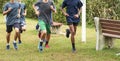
x,y
8,44
41,40
14,41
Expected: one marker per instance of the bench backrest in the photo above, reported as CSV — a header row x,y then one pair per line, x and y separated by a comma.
x,y
110,28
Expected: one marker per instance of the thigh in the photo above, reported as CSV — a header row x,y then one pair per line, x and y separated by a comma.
x,y
48,29
9,28
17,25
42,25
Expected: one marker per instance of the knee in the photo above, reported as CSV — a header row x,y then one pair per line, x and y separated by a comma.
x,y
44,32
8,34
23,28
72,33
17,30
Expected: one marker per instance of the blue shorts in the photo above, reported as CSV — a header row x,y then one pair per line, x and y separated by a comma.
x,y
22,23
9,28
72,20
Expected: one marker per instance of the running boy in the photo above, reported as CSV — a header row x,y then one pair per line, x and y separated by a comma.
x,y
51,22
72,14
12,12
23,13
43,11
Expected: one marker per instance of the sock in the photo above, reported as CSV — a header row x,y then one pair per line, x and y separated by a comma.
x,y
46,43
73,46
14,41
8,44
41,42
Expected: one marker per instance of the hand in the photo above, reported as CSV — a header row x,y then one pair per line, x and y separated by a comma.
x,y
51,7
66,14
18,15
24,14
76,16
37,13
51,23
9,9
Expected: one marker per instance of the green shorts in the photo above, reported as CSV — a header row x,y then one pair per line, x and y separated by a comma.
x,y
44,26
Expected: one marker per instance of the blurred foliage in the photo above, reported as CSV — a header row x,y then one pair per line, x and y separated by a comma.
x,y
103,9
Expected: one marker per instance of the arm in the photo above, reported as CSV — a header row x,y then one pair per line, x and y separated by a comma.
x,y
25,11
79,5
36,10
7,11
78,14
19,10
62,8
63,11
52,7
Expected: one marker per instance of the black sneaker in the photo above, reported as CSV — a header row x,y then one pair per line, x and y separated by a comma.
x,y
67,33
37,27
8,47
21,31
73,50
19,42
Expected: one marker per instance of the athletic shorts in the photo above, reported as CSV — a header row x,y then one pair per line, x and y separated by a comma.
x,y
72,23
44,26
72,20
22,23
9,28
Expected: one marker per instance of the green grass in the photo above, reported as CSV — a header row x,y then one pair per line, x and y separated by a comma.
x,y
60,47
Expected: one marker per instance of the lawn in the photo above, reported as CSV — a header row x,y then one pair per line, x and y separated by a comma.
x,y
60,47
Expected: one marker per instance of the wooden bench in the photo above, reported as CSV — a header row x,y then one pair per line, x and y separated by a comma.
x,y
56,28
106,29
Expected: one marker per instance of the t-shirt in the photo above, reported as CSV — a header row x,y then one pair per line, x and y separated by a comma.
x,y
11,17
72,6
23,7
45,11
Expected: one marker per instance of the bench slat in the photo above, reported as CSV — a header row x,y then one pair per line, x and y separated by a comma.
x,y
109,24
111,28
109,20
111,35
111,32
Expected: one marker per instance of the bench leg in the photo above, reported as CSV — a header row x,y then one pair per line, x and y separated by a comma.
x,y
109,42
100,39
101,43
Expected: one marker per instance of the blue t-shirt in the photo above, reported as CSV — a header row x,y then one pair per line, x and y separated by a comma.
x,y
72,7
11,17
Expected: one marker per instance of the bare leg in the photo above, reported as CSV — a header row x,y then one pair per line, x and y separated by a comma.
x,y
42,37
75,28
71,27
17,34
47,40
8,37
72,30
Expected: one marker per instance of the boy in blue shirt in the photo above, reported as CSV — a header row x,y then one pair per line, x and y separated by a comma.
x,y
23,12
72,14
12,12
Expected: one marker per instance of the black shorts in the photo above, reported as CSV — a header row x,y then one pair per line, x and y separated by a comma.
x,y
72,23
9,28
